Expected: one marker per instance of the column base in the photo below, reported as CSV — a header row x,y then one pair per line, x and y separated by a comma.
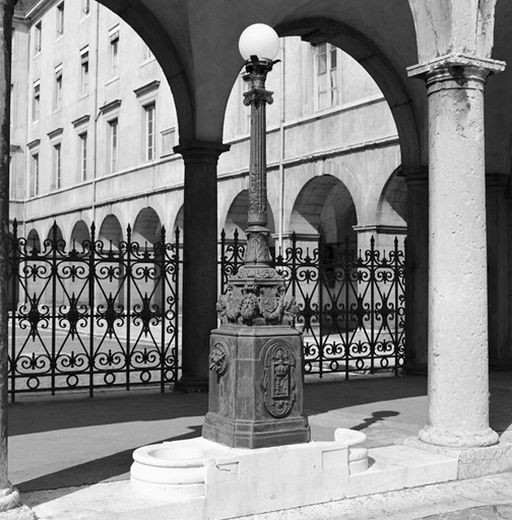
x,y
472,462
189,384
454,439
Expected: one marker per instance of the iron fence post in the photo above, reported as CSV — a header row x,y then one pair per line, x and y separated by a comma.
x,y
91,276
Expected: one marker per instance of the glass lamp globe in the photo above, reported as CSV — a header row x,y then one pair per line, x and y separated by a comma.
x,y
259,40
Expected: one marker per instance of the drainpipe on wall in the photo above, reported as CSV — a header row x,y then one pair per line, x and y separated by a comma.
x,y
96,115
281,150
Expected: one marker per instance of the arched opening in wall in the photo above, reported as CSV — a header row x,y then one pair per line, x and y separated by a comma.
x,y
80,236
334,107
110,233
110,273
55,238
236,218
324,207
33,244
178,222
147,228
146,283
55,246
392,212
79,279
32,285
392,208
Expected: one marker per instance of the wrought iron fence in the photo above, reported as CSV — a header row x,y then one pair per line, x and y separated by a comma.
x,y
351,306
101,315
96,315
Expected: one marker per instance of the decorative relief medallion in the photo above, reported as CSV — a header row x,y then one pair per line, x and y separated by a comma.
x,y
278,380
218,360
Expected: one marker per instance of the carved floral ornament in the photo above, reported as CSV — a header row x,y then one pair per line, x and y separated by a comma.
x,y
256,303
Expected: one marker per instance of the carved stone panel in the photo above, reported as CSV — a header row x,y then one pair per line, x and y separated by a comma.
x,y
278,379
219,363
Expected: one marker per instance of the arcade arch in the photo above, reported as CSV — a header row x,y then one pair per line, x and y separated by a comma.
x,y
324,207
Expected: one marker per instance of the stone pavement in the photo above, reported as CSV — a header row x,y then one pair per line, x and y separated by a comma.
x,y
77,441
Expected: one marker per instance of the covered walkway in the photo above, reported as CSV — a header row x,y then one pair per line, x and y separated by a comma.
x,y
63,443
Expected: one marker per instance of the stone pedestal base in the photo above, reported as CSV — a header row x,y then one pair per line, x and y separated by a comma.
x,y
256,387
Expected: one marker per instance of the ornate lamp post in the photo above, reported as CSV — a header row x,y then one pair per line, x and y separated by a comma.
x,y
256,382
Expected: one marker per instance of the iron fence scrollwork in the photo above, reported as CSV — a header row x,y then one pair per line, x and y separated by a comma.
x,y
351,305
96,315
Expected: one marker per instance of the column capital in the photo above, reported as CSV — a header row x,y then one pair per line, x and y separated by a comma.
x,y
456,67
201,151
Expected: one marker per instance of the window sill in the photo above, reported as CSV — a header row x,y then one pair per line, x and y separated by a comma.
x,y
112,80
147,61
83,96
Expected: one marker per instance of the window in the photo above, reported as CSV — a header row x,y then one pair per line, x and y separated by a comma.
x,y
326,76
13,43
13,105
38,27
34,175
57,163
84,72
57,95
36,101
83,156
60,19
112,144
168,140
86,7
149,126
147,53
114,53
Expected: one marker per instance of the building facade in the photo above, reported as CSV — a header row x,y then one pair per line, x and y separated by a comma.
x,y
94,126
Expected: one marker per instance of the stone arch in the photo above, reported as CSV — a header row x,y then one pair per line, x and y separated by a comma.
x,y
453,27
55,233
164,48
33,241
110,232
79,235
324,207
407,112
392,205
147,227
178,221
236,217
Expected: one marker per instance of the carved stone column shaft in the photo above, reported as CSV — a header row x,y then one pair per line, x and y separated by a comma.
x,y
257,251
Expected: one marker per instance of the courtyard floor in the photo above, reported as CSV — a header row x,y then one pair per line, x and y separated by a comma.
x,y
68,441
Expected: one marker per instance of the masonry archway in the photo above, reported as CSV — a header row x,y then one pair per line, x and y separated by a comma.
x,y
236,217
110,232
324,207
33,243
80,236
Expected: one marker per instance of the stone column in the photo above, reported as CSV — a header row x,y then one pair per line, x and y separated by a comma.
x,y
199,295
458,385
416,271
8,496
500,353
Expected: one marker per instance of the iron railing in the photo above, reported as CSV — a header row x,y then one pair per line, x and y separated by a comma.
x,y
96,315
100,315
351,306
